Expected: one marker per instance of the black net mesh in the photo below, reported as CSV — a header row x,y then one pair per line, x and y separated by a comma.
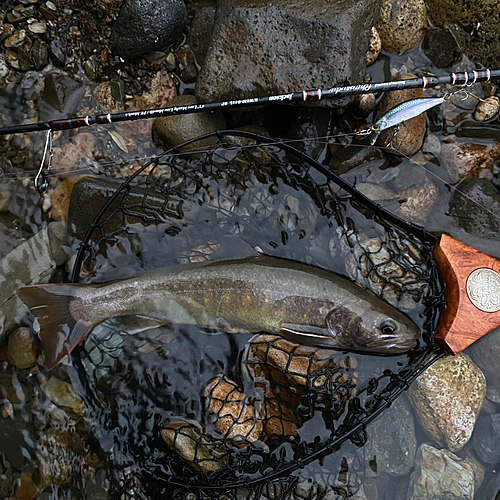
x,y
180,412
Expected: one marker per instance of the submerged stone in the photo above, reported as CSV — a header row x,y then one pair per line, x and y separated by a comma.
x,y
440,475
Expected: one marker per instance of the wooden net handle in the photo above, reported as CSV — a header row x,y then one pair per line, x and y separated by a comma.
x,y
472,294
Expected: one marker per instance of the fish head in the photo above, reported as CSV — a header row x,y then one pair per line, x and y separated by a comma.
x,y
379,329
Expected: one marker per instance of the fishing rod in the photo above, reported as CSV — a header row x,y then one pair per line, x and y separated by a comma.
x,y
463,78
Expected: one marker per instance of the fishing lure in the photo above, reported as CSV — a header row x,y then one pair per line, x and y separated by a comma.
x,y
405,111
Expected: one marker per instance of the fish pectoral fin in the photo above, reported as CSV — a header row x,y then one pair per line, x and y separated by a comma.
x,y
138,323
306,335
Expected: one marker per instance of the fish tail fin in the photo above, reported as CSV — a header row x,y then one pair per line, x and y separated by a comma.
x,y
60,332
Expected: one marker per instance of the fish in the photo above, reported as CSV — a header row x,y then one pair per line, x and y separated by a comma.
x,y
405,111
303,303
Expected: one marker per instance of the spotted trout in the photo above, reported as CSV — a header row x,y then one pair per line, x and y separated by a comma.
x,y
302,303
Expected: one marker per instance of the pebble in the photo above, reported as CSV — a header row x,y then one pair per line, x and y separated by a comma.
x,y
366,103
467,160
374,48
38,27
487,109
16,40
447,399
63,395
187,65
440,475
411,133
417,203
432,145
23,348
401,24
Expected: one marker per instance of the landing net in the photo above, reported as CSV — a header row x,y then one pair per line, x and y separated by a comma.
x,y
181,413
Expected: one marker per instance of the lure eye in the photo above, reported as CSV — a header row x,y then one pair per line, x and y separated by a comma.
x,y
388,326
375,127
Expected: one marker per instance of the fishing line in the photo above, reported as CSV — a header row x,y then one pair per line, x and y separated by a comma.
x,y
324,140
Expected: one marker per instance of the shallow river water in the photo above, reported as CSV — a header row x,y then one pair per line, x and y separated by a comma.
x,y
93,427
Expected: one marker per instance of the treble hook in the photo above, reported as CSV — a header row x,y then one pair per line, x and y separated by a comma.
x,y
41,181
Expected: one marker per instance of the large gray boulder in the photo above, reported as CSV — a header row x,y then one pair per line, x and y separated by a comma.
x,y
261,48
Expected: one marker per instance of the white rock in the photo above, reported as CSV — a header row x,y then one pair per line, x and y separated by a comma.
x,y
447,399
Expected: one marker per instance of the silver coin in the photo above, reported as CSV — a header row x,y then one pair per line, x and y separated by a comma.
x,y
483,289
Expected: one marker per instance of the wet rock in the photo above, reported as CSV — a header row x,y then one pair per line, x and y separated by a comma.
x,y
27,489
62,93
447,399
60,198
23,348
477,467
59,454
16,40
174,130
366,103
478,211
65,158
432,145
63,395
410,134
10,388
30,263
201,452
375,192
374,48
468,160
201,29
485,352
475,26
40,54
187,65
401,24
162,91
487,109
105,98
440,475
417,203
310,127
441,47
4,197
486,438
12,59
392,443
38,27
264,49
145,26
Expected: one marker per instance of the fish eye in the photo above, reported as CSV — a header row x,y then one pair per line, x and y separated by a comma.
x,y
388,326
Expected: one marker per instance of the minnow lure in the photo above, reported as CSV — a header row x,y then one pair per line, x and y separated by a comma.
x,y
405,111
